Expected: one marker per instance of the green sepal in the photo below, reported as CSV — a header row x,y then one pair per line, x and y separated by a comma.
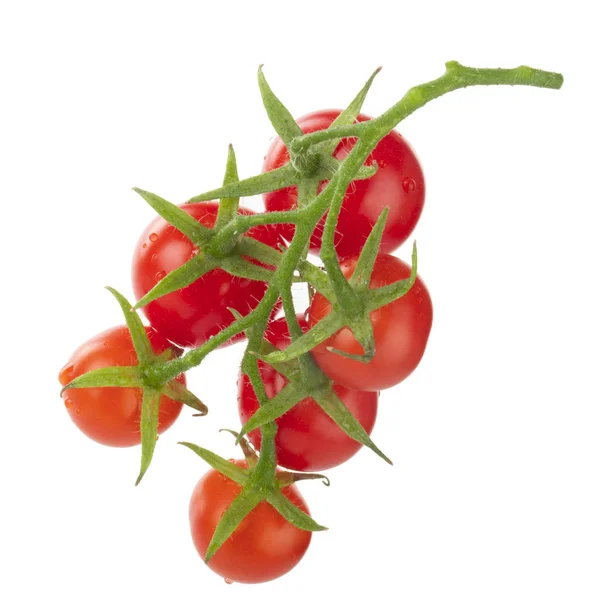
x,y
122,377
148,428
317,279
239,267
243,504
366,172
378,297
345,420
177,217
274,408
361,326
329,165
286,478
177,391
139,337
281,119
362,329
307,191
261,252
235,473
347,116
237,315
366,358
291,513
228,207
290,369
249,453
178,279
366,261
270,181
313,337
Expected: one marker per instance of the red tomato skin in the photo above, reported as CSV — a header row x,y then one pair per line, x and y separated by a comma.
x,y
190,316
111,416
264,546
399,183
307,438
401,331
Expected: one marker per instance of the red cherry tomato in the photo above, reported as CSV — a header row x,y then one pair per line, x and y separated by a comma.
x,y
307,438
263,547
190,316
398,183
110,415
401,330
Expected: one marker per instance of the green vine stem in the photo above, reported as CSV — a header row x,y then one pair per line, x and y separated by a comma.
x,y
456,77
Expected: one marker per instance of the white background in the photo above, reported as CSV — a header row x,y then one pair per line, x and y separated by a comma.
x,y
495,491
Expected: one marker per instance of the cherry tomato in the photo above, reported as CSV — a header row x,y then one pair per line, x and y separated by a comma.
x,y
401,330
110,415
190,316
307,438
263,547
398,183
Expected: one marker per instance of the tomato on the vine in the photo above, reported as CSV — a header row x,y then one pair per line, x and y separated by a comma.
x,y
307,438
398,183
401,330
111,415
190,316
263,547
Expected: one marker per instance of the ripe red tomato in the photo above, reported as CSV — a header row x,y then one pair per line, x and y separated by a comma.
x,y
307,438
264,546
398,183
110,415
401,330
190,316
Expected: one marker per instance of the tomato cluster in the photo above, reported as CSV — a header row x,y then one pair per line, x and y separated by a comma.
x,y
335,184
265,544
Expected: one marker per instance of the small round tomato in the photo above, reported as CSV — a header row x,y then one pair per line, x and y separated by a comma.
x,y
110,415
401,330
263,547
307,438
398,183
190,316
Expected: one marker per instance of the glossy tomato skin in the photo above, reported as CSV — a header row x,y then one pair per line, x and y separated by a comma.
x,y
111,416
398,183
401,331
307,438
190,316
264,546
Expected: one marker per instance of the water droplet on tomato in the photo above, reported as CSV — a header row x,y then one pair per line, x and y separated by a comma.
x,y
153,237
68,402
160,275
78,411
409,184
228,581
144,245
